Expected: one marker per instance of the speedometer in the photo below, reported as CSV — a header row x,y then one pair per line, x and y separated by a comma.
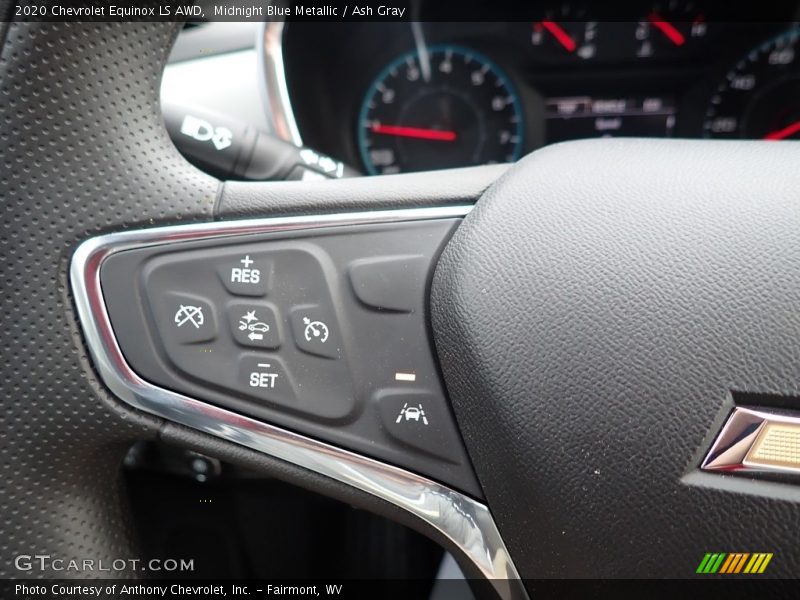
x,y
452,107
760,96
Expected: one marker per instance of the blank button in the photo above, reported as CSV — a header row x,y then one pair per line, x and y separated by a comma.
x,y
395,283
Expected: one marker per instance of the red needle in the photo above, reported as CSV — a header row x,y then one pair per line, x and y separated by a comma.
x,y
438,135
668,29
561,36
781,134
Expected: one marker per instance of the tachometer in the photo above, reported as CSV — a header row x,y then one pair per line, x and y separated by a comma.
x,y
760,96
669,29
564,33
452,107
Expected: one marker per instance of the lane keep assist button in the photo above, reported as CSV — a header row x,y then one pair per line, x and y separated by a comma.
x,y
418,419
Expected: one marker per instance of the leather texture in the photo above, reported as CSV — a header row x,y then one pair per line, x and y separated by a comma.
x,y
593,316
433,188
82,150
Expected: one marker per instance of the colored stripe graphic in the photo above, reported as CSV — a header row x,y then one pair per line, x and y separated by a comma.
x,y
741,562
755,562
709,568
727,565
711,562
703,563
715,567
734,563
767,558
738,563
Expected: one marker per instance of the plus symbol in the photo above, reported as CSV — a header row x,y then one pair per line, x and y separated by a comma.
x,y
246,261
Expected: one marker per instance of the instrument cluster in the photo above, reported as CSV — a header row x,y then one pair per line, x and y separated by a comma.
x,y
398,97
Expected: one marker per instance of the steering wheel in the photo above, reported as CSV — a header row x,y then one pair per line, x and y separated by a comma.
x,y
597,318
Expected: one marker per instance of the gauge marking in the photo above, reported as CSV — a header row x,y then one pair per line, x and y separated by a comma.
x,y
454,119
668,29
759,98
561,36
782,134
414,132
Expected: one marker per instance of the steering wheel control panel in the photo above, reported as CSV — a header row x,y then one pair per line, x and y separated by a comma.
x,y
322,331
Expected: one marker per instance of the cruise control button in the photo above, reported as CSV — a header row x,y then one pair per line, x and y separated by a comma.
x,y
254,324
185,318
266,378
419,419
246,275
315,331
395,283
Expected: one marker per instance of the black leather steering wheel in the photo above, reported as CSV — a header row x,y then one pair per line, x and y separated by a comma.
x,y
596,317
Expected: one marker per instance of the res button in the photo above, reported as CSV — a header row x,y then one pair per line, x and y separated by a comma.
x,y
246,274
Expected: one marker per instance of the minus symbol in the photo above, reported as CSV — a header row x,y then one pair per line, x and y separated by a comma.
x,y
405,376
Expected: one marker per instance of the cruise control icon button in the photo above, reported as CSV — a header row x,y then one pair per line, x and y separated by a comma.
x,y
254,324
315,332
190,314
186,318
246,274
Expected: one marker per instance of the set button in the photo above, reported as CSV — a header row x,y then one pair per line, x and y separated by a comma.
x,y
266,378
254,324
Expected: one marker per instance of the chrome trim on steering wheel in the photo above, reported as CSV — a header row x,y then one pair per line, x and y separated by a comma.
x,y
275,88
467,523
757,440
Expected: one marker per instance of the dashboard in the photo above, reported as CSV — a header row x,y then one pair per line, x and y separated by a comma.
x,y
397,97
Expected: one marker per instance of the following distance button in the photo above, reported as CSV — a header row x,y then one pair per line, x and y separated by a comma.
x,y
254,324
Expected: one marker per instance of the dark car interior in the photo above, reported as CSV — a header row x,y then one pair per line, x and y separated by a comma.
x,y
472,307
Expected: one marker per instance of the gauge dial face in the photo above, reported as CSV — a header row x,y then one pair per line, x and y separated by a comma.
x,y
760,96
562,35
450,108
669,28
